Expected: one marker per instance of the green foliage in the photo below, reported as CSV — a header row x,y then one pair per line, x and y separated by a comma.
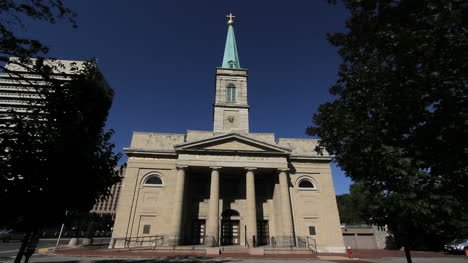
x,y
59,157
398,124
88,223
14,12
354,207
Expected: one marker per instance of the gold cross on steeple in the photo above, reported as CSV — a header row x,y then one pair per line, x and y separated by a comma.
x,y
230,21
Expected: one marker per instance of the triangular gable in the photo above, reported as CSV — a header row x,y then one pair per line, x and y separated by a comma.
x,y
232,142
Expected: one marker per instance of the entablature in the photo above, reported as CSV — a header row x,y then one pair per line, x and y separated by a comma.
x,y
311,157
151,153
242,161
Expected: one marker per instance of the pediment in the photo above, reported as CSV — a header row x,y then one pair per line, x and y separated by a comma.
x,y
231,142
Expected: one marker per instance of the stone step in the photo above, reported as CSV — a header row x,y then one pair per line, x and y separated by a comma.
x,y
234,249
287,250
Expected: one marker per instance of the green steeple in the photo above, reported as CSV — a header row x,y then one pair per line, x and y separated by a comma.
x,y
231,58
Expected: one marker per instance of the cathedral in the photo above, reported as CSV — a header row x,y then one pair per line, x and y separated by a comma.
x,y
227,187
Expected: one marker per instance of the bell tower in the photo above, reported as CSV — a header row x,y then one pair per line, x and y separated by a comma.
x,y
231,110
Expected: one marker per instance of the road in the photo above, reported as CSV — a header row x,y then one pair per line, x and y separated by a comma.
x,y
10,249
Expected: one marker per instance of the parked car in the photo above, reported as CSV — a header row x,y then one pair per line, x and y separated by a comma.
x,y
457,245
5,235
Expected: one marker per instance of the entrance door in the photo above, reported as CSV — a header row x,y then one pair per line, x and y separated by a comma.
x,y
198,231
230,232
262,232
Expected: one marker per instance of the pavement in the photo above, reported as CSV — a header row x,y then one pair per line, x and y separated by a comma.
x,y
190,259
97,254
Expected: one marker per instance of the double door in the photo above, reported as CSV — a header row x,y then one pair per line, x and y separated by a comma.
x,y
230,232
198,231
263,236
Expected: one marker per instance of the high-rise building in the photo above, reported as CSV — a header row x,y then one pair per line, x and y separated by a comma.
x,y
109,204
18,85
19,94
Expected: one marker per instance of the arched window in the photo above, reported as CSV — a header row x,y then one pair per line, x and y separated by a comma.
x,y
231,93
153,180
306,184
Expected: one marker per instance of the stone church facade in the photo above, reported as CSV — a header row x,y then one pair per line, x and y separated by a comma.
x,y
227,186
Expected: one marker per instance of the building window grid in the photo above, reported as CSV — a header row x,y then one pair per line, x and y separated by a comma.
x,y
107,203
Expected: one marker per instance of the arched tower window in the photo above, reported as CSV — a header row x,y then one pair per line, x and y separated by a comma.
x,y
153,180
231,93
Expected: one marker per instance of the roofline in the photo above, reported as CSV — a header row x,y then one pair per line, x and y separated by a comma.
x,y
165,133
232,133
139,151
311,157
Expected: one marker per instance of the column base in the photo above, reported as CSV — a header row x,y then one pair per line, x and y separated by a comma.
x,y
212,250
258,251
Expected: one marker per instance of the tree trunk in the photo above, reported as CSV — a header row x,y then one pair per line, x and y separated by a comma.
x,y
408,254
24,244
31,248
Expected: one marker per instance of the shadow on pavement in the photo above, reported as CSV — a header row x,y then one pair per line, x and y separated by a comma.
x,y
175,259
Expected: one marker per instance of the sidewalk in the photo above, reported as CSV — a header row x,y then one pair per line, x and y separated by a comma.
x,y
358,254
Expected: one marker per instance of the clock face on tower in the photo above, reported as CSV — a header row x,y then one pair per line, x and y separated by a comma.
x,y
231,120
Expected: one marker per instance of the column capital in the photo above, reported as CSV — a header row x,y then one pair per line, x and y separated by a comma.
x,y
215,167
181,167
250,168
285,170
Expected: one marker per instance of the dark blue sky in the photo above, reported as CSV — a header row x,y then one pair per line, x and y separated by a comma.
x,y
160,59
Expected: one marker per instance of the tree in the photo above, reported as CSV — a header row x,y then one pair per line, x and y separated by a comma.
x,y
58,157
86,224
398,124
353,207
14,12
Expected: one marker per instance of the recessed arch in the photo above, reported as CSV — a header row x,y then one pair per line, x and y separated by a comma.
x,y
306,183
153,179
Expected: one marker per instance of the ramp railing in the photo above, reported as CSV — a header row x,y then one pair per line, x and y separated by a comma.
x,y
137,242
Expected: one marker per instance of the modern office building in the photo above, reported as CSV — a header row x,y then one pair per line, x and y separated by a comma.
x,y
109,204
19,85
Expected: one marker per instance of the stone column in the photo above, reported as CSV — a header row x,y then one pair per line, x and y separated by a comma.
x,y
178,206
251,206
212,226
286,212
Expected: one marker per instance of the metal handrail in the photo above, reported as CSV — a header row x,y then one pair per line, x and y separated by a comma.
x,y
138,241
312,242
294,241
211,241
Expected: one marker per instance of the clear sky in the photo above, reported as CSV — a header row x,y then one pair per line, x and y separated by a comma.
x,y
160,59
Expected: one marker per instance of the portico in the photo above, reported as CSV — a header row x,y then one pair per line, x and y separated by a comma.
x,y
239,156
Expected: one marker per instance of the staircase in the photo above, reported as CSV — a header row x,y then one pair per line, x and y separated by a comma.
x,y
288,250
